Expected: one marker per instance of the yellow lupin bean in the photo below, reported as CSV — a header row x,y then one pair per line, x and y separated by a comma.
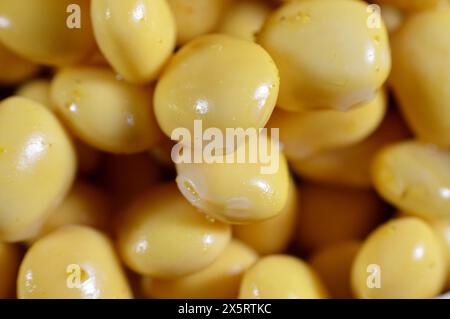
x,y
406,255
37,90
421,74
350,166
136,36
274,235
333,264
37,166
74,262
334,214
103,111
414,177
244,193
245,18
345,68
414,5
10,256
224,81
13,68
309,132
196,17
220,280
85,204
39,30
163,236
281,277
442,228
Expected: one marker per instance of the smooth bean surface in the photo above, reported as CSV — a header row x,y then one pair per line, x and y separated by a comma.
x,y
345,68
75,262
421,74
136,36
350,166
223,81
104,111
248,191
273,236
220,280
37,166
44,32
281,276
405,259
163,236
415,177
310,132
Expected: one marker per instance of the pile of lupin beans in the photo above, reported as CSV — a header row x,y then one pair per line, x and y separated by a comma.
x,y
92,204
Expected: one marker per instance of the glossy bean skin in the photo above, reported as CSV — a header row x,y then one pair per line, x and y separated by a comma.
x,y
10,257
350,166
39,31
273,235
333,264
421,74
237,192
220,280
224,81
163,236
85,204
105,112
414,177
357,210
39,90
196,17
281,277
410,260
14,68
244,19
100,271
89,149
346,68
307,133
37,163
137,37
442,228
